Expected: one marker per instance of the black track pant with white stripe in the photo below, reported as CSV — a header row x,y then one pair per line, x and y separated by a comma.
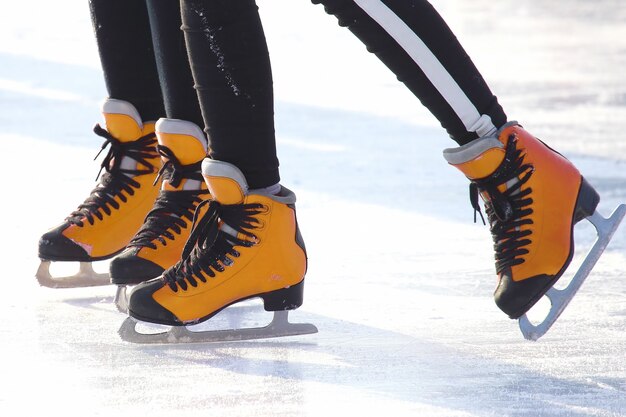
x,y
412,39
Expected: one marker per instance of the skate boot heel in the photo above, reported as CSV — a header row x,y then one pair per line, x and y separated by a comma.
x,y
284,299
588,200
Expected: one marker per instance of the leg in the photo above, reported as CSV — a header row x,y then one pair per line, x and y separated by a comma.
x,y
533,195
105,222
232,74
172,63
158,244
237,250
124,39
412,39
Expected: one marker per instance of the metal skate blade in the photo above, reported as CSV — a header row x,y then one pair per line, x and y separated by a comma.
x,y
278,327
85,277
121,299
559,299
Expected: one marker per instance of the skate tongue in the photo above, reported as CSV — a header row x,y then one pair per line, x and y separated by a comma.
x,y
477,159
122,120
184,138
226,182
188,144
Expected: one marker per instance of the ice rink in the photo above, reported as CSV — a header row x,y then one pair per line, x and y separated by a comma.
x,y
400,279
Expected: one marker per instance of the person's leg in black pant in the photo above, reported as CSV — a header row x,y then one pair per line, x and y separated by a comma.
x,y
533,196
248,242
232,73
124,38
158,244
412,39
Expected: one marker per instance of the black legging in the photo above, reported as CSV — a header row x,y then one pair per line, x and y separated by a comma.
x,y
124,41
231,68
144,58
232,74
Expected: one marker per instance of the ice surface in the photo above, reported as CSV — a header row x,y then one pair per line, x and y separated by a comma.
x,y
400,279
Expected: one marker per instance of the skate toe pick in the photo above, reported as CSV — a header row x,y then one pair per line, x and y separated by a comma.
x,y
53,245
142,306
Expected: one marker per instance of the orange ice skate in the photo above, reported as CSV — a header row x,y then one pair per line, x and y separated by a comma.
x,y
159,243
533,197
106,221
243,245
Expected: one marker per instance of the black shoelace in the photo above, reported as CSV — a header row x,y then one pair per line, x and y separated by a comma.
x,y
507,211
171,208
116,179
210,249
